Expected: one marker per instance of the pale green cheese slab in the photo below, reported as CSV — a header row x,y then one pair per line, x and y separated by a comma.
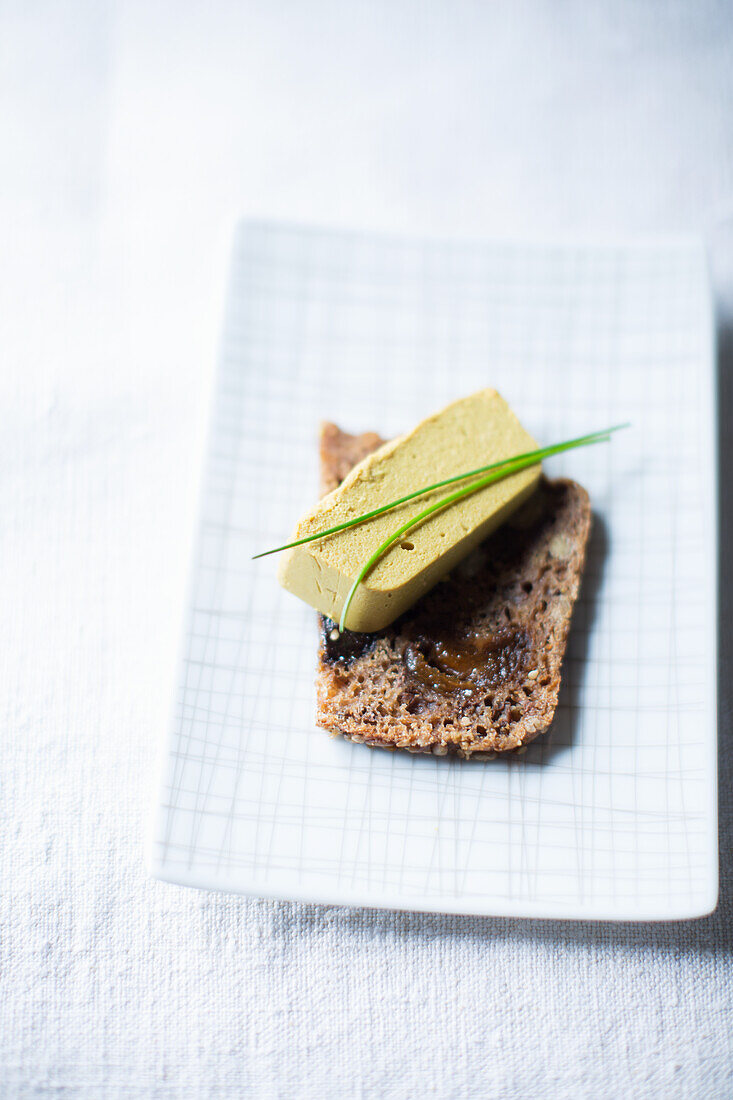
x,y
471,432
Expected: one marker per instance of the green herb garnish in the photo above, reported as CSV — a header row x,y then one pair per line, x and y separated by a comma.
x,y
509,467
529,458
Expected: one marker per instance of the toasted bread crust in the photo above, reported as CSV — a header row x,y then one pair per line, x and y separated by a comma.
x,y
340,451
474,667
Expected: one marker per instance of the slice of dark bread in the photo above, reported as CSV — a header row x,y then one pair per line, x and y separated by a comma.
x,y
474,666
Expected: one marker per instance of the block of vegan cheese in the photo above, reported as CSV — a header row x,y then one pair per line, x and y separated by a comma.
x,y
474,431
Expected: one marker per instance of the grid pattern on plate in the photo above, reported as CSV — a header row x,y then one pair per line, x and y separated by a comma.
x,y
610,814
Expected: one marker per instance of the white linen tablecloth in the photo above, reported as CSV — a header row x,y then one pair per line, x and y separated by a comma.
x,y
131,137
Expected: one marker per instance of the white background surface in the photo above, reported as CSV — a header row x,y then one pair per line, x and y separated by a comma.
x,y
131,136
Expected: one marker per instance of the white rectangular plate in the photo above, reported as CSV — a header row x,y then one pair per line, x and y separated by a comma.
x,y
611,815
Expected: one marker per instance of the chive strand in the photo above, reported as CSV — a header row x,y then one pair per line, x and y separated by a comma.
x,y
532,457
459,494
